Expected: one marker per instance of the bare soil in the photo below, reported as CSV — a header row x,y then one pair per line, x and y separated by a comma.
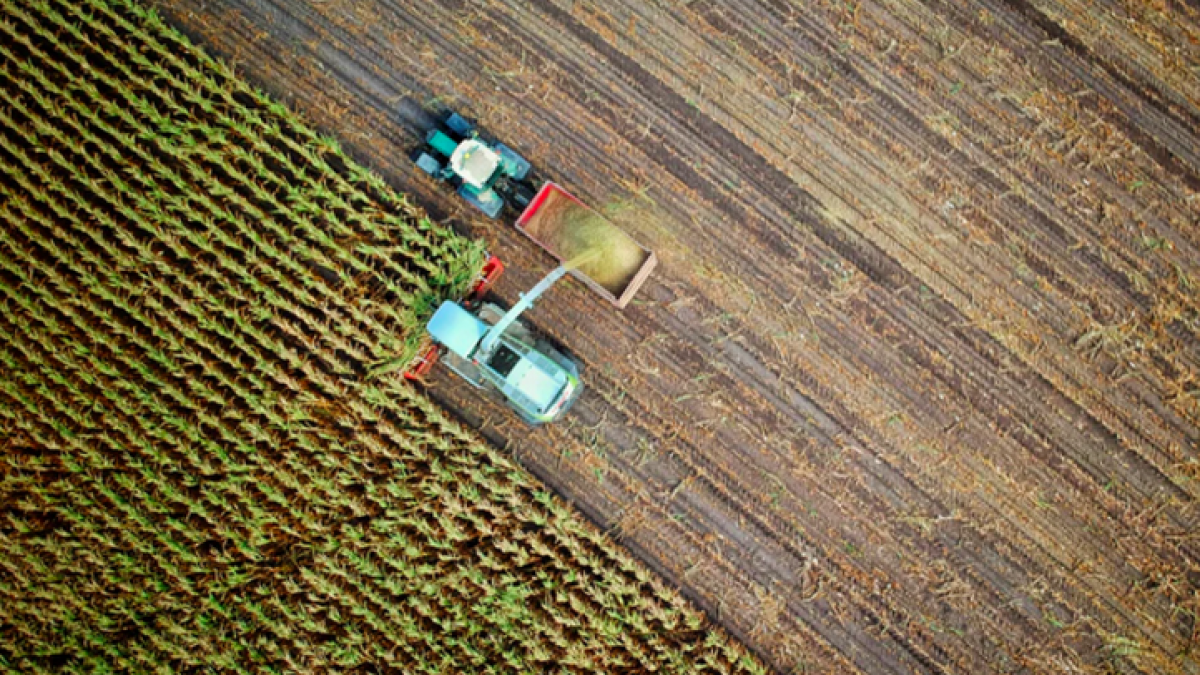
x,y
914,387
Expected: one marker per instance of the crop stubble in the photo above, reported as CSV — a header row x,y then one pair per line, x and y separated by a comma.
x,y
915,385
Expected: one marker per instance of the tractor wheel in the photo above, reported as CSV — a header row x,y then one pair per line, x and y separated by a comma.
x,y
456,123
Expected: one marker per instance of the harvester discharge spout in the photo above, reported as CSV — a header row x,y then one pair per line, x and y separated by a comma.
x,y
528,298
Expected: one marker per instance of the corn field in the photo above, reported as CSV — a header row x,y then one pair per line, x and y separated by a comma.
x,y
209,460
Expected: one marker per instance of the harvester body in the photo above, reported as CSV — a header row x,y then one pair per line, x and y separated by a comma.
x,y
538,381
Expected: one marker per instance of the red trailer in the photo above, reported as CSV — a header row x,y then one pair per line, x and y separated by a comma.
x,y
624,264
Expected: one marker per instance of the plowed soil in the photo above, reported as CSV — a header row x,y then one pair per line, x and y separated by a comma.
x,y
914,387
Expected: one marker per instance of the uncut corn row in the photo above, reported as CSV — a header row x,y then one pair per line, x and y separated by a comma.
x,y
183,400
179,579
318,584
203,71
195,238
428,250
281,234
170,367
273,128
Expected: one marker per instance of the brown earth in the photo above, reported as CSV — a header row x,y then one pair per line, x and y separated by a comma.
x,y
914,387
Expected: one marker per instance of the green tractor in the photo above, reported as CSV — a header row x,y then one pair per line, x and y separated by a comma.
x,y
487,174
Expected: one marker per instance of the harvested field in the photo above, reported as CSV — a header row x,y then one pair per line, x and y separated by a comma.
x,y
198,471
914,388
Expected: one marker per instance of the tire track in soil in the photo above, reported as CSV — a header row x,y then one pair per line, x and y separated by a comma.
x,y
1127,123
823,397
960,160
971,171
1041,177
1050,461
1177,161
902,122
1041,218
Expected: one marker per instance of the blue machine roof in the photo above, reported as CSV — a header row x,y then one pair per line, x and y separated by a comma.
x,y
457,328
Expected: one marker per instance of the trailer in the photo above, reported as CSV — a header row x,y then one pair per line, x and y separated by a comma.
x,y
624,264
